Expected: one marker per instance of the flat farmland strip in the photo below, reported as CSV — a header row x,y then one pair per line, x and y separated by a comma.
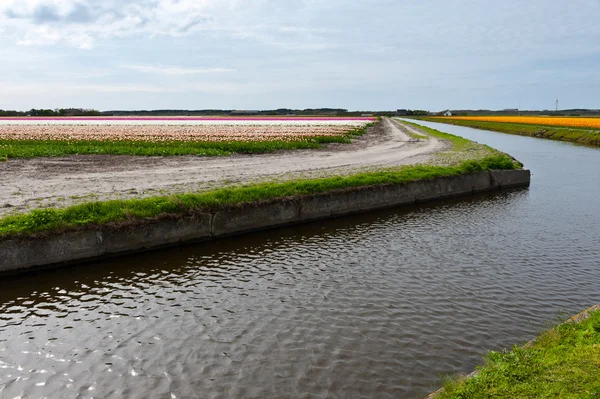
x,y
30,138
593,123
183,133
188,121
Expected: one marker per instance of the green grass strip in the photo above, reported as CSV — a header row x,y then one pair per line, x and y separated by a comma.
x,y
458,143
580,135
462,149
101,213
53,148
562,363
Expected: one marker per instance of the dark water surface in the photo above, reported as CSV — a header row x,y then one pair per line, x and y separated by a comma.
x,y
378,305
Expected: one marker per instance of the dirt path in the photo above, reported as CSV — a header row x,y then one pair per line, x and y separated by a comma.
x,y
58,182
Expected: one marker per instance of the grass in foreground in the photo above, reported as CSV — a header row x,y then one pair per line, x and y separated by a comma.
x,y
120,211
585,136
54,148
562,363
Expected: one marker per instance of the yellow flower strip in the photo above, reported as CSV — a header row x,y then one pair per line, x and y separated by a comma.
x,y
593,123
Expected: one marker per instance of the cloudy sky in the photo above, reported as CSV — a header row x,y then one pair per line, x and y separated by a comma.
x,y
262,54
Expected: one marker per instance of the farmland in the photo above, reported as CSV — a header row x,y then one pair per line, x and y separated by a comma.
x,y
584,131
574,122
34,137
134,188
44,182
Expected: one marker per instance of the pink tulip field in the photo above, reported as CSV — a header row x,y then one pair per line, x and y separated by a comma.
x,y
169,136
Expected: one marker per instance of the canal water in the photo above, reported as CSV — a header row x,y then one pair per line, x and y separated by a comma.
x,y
377,305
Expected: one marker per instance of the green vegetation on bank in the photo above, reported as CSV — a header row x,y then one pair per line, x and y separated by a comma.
x,y
580,135
462,149
459,144
52,148
562,363
121,211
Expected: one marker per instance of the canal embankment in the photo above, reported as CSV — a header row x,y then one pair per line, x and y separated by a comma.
x,y
55,243
563,361
96,229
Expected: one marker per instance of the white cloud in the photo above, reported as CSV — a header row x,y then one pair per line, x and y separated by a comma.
x,y
329,49
80,23
21,89
175,71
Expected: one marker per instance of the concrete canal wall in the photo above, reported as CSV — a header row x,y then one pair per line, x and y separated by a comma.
x,y
89,244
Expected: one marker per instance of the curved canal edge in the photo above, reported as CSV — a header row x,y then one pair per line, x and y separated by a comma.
x,y
578,318
17,254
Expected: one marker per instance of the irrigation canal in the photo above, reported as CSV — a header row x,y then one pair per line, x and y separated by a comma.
x,y
376,305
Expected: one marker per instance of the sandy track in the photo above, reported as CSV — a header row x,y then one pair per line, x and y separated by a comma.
x,y
44,182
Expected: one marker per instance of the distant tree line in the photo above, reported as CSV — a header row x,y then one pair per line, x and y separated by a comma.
x,y
51,112
473,112
201,112
286,112
230,112
411,112
227,112
562,112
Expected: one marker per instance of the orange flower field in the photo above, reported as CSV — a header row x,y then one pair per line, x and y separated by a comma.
x,y
593,123
164,133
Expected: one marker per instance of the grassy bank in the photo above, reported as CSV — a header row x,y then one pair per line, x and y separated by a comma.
x,y
119,211
562,363
462,149
580,135
52,148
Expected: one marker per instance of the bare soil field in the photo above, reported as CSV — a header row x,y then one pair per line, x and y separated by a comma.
x,y
63,181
